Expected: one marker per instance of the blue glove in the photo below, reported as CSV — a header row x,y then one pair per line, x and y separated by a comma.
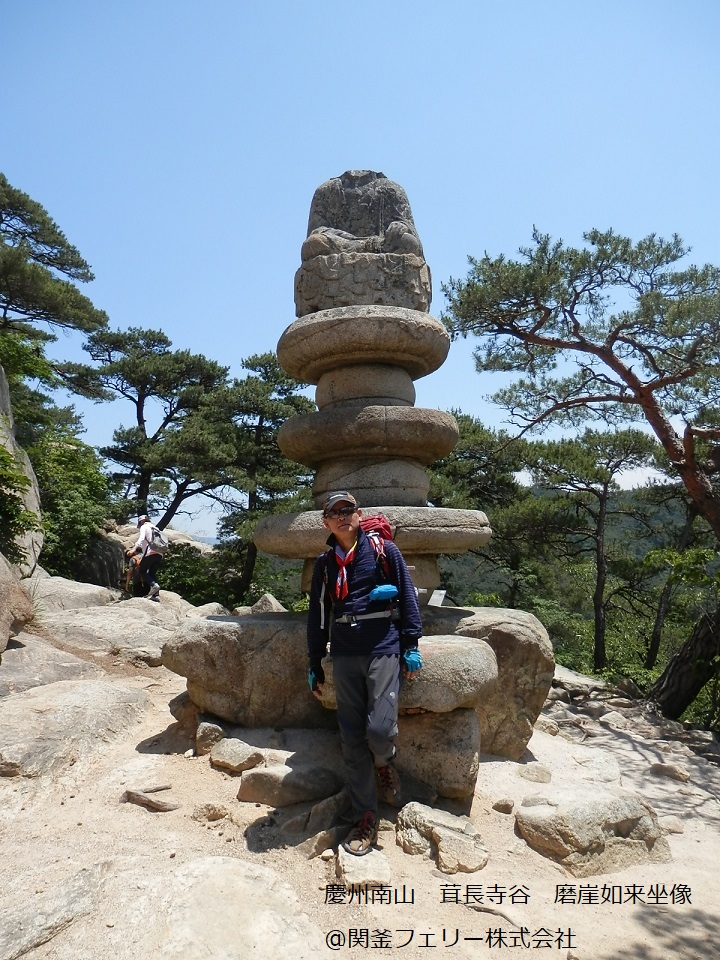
x,y
413,660
316,675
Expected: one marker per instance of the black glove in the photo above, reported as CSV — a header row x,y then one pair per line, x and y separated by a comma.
x,y
316,675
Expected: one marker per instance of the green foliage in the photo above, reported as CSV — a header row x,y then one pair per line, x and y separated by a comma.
x,y
76,496
611,330
485,600
215,576
188,571
38,271
704,711
15,520
694,566
194,431
480,472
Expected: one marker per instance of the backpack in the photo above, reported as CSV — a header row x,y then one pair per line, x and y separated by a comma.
x,y
377,529
159,543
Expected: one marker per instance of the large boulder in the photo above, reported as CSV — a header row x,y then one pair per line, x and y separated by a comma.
x,y
457,672
525,667
135,629
591,830
441,750
16,608
251,671
248,670
103,562
57,593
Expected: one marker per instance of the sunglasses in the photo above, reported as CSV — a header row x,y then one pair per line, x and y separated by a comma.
x,y
340,512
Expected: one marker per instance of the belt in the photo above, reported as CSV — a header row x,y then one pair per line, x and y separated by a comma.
x,y
354,618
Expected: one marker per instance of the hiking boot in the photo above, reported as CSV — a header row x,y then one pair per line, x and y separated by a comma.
x,y
153,593
387,782
363,835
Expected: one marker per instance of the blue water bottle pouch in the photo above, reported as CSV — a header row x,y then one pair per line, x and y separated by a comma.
x,y
385,591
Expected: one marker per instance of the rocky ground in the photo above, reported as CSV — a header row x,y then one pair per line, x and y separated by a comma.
x,y
89,873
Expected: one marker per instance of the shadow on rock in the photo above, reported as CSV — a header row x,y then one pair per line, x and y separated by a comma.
x,y
174,739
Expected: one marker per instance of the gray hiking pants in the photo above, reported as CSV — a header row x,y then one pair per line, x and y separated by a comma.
x,y
367,690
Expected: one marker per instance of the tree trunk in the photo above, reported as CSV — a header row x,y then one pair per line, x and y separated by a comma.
x,y
181,494
248,570
662,609
143,491
600,652
690,669
686,536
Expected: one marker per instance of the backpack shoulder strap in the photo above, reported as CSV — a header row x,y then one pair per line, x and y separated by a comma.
x,y
378,545
325,596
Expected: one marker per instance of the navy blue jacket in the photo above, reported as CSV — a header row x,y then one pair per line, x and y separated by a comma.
x,y
378,636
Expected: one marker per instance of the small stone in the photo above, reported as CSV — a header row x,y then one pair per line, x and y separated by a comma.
x,y
189,753
372,869
327,855
207,735
671,770
671,824
614,719
210,812
536,772
557,693
504,805
235,755
547,725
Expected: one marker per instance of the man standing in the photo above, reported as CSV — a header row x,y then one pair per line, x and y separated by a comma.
x,y
150,558
371,631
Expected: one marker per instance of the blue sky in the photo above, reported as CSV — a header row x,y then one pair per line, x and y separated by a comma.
x,y
178,144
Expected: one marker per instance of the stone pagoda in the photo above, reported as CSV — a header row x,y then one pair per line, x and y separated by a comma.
x,y
363,335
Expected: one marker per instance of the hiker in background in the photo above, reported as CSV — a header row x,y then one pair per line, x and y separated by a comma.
x,y
151,556
132,576
363,581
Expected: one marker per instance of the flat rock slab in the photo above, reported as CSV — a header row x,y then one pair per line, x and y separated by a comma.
x,y
134,629
47,727
596,764
591,830
235,755
217,907
281,786
38,920
30,662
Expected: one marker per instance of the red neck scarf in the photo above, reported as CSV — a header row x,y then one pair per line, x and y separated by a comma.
x,y
341,584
